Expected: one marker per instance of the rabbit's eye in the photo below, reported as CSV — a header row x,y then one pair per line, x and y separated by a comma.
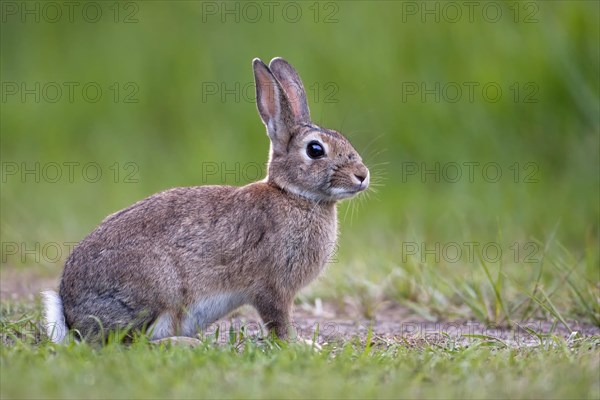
x,y
315,150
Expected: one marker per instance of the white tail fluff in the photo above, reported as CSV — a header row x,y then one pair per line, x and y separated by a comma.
x,y
54,316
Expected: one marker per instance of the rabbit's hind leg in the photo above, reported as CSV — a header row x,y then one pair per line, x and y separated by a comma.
x,y
96,315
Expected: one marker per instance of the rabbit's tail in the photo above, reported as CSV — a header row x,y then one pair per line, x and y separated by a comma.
x,y
54,317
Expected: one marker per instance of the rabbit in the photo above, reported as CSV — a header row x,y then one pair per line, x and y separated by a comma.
x,y
177,261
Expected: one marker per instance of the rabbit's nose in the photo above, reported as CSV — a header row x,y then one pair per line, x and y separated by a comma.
x,y
361,176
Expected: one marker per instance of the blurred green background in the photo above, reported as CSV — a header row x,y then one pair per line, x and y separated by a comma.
x,y
177,99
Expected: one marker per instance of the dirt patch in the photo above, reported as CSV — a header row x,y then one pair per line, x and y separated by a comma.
x,y
396,325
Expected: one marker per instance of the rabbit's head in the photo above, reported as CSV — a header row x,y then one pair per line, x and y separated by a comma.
x,y
313,162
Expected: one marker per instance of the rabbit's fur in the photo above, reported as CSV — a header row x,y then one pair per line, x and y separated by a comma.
x,y
181,259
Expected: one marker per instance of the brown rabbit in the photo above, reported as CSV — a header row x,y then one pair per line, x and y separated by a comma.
x,y
179,260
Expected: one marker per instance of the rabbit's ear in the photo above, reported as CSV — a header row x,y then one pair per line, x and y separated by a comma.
x,y
292,86
273,106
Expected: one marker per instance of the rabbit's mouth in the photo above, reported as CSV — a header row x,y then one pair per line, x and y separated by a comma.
x,y
344,193
359,183
341,194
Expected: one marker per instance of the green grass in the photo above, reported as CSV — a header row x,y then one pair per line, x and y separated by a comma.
x,y
143,371
483,367
543,213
